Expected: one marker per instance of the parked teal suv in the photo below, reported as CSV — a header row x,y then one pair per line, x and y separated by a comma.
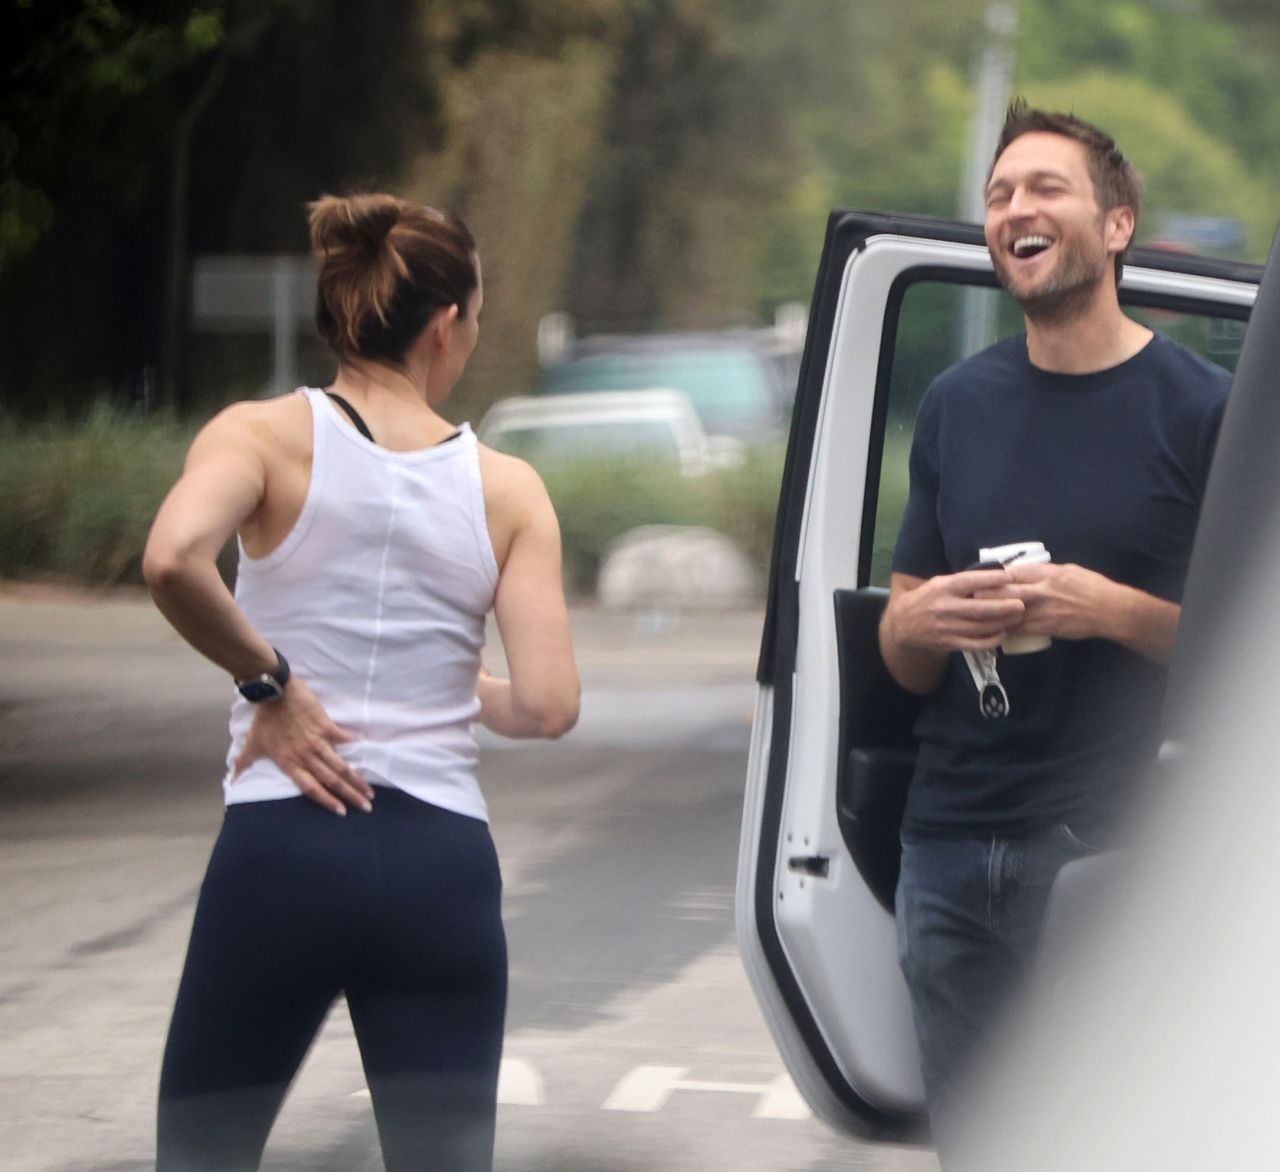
x,y
740,382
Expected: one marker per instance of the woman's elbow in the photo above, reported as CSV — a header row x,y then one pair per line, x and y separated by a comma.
x,y
167,568
557,719
161,567
550,716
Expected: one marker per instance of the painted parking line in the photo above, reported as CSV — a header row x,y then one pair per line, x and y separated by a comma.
x,y
648,1089
782,1101
520,1084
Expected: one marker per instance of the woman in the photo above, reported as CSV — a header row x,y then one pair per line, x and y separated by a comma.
x,y
374,538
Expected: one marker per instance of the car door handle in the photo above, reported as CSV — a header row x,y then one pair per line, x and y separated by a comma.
x,y
816,865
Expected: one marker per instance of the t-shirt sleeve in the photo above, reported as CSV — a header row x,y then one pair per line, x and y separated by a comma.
x,y
919,550
1210,426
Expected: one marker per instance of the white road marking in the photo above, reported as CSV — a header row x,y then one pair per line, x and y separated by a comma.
x,y
782,1101
520,1084
647,1088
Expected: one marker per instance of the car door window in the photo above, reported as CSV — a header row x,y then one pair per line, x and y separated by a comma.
x,y
936,327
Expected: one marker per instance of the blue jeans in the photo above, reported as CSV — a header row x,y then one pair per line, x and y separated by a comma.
x,y
969,914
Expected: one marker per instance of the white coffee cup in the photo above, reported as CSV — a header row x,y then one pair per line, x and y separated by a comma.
x,y
1019,553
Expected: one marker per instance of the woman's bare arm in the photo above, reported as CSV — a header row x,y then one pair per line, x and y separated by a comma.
x,y
222,484
541,697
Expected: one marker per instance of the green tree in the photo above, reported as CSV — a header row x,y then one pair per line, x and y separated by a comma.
x,y
861,105
133,132
1189,95
96,88
1259,17
641,162
73,73
1185,169
701,144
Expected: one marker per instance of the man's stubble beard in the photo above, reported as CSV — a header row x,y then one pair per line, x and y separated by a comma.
x,y
1066,294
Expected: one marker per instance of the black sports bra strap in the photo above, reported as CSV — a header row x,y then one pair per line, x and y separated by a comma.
x,y
361,426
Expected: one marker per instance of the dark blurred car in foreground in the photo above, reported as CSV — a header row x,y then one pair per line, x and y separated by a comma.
x,y
1152,1040
740,382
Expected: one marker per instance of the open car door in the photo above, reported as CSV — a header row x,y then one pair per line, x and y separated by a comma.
x,y
897,300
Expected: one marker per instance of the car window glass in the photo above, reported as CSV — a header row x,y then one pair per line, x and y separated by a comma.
x,y
1217,338
633,439
729,388
938,324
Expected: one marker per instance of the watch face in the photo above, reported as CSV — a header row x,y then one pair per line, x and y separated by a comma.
x,y
263,688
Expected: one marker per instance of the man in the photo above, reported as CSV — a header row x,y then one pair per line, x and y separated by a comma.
x,y
1092,435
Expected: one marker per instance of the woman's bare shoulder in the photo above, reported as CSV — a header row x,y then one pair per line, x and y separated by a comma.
x,y
283,421
515,500
506,475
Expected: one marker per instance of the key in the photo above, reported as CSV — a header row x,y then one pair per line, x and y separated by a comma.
x,y
994,702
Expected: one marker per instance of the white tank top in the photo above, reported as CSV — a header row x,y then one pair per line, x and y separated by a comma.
x,y
377,598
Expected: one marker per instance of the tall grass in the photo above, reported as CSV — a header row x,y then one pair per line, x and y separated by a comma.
x,y
598,501
76,500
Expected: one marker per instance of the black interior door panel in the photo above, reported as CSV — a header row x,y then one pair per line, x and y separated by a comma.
x,y
877,750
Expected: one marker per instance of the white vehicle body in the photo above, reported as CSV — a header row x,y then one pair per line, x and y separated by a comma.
x,y
655,424
815,928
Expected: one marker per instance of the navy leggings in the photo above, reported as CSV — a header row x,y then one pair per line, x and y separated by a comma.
x,y
398,910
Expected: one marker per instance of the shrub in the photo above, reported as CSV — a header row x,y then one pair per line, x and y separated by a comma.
x,y
742,503
76,500
598,501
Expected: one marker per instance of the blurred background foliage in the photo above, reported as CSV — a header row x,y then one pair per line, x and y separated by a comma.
x,y
643,164
77,496
598,502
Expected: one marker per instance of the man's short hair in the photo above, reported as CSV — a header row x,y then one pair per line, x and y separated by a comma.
x,y
1115,182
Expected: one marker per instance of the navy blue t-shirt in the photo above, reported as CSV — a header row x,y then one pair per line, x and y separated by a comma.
x,y
1108,470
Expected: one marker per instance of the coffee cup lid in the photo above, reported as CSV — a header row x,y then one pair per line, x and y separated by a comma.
x,y
1015,551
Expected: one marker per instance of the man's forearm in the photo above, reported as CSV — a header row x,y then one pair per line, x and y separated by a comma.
x,y
918,670
1144,623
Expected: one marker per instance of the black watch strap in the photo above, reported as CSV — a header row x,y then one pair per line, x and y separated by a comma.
x,y
268,686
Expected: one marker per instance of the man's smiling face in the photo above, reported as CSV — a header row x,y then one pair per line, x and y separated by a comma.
x,y
1051,244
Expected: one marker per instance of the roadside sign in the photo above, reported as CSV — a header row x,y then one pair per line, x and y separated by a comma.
x,y
257,295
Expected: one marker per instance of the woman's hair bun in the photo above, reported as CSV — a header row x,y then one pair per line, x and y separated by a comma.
x,y
385,266
355,221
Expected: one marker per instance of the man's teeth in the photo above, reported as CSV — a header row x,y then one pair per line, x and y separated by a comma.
x,y
1026,246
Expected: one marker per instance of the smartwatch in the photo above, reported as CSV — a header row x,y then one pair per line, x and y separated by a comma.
x,y
269,685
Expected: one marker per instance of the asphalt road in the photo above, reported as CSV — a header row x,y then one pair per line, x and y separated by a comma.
x,y
633,1044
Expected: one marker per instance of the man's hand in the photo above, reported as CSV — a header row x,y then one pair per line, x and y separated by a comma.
x,y
927,618
969,611
1063,601
1071,602
296,733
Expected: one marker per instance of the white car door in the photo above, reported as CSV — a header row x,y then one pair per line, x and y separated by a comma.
x,y
897,300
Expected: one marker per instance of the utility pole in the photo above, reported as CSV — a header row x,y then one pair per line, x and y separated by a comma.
x,y
993,81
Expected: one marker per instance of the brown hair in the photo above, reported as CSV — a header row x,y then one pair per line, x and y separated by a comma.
x,y
1115,182
386,266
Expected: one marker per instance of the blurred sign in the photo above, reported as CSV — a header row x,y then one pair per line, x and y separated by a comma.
x,y
243,294
257,295
1217,234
